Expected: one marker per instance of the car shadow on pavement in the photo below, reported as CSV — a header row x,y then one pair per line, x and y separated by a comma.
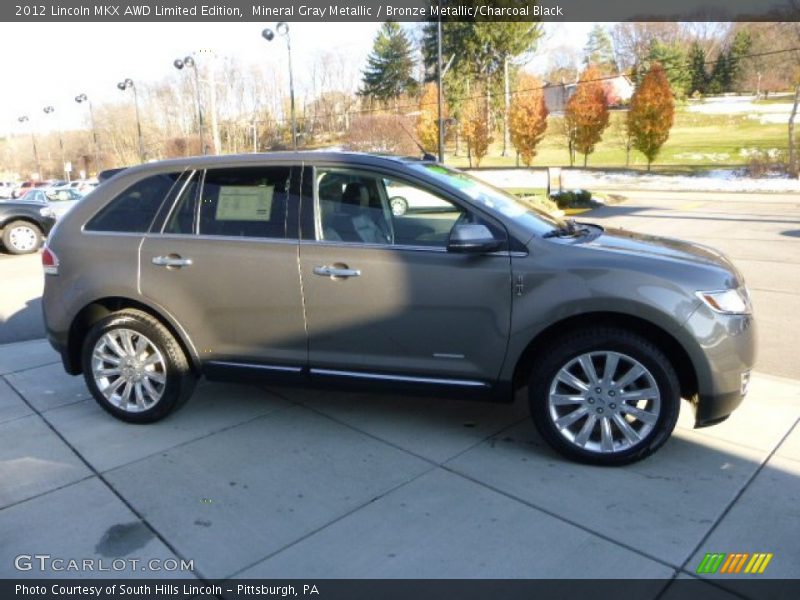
x,y
25,324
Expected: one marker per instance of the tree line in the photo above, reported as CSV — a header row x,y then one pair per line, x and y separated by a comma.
x,y
389,104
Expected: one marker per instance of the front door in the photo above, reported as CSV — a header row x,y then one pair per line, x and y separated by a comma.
x,y
224,265
383,295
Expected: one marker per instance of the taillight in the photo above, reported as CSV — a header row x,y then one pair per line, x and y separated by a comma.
x,y
49,262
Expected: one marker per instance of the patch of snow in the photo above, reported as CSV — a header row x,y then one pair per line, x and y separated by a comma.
x,y
717,180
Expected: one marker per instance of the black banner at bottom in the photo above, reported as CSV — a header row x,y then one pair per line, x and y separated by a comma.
x,y
401,589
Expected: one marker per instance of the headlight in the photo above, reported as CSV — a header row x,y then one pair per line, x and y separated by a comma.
x,y
729,302
47,212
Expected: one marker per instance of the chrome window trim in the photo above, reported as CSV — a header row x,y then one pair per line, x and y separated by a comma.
x,y
404,378
222,238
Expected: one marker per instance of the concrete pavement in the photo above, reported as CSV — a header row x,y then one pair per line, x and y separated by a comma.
x,y
21,285
269,482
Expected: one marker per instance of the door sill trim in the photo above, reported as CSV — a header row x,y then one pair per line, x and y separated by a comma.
x,y
403,378
279,368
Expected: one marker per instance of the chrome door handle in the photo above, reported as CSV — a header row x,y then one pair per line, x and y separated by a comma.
x,y
326,271
171,261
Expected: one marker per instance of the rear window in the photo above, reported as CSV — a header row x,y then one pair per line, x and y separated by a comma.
x,y
134,210
245,202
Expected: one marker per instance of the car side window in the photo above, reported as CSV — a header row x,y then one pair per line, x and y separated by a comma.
x,y
376,209
134,209
183,218
246,202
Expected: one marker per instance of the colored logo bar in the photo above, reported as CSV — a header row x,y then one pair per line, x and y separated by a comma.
x,y
734,563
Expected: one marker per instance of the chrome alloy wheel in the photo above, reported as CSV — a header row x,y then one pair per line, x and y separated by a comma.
x,y
604,402
23,238
129,370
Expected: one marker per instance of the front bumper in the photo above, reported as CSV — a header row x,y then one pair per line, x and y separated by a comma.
x,y
723,361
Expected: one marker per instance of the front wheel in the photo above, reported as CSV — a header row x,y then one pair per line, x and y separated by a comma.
x,y
135,368
605,396
22,237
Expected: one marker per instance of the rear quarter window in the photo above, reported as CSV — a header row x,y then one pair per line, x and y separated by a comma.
x,y
134,210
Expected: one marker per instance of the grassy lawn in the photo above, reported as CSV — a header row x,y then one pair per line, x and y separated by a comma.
x,y
697,142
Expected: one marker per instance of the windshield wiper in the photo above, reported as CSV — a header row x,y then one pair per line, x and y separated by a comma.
x,y
569,229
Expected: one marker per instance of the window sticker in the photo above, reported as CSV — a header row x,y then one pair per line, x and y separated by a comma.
x,y
244,203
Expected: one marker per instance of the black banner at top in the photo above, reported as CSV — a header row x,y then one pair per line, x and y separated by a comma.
x,y
399,10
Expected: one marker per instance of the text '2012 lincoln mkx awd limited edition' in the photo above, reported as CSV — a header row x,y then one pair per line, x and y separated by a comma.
x,y
294,268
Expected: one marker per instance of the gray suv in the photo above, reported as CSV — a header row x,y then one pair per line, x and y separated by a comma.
x,y
293,268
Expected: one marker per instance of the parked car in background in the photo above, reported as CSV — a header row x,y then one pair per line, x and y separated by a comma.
x,y
23,225
61,199
403,199
7,189
293,267
25,186
83,186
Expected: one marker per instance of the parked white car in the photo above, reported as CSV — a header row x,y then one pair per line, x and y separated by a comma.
x,y
403,199
7,189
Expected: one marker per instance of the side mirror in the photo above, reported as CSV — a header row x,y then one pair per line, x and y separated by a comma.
x,y
473,239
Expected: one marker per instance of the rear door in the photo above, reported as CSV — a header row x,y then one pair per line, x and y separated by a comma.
x,y
223,263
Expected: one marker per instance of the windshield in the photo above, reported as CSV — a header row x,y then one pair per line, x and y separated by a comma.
x,y
495,199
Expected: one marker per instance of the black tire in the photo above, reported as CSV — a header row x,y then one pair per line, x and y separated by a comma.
x,y
599,340
9,240
178,375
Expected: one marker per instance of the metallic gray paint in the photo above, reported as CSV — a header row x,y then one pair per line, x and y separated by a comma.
x,y
259,301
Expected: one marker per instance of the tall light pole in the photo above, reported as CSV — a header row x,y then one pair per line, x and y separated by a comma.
x,y
80,98
48,110
440,91
179,64
125,85
282,29
25,119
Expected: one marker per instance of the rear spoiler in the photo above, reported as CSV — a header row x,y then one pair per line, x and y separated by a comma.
x,y
109,173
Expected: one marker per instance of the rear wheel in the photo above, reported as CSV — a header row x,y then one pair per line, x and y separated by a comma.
x,y
399,206
22,237
605,396
135,368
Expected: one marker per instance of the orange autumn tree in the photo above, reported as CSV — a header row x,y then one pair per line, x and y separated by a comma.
x,y
527,117
475,129
586,116
651,114
427,128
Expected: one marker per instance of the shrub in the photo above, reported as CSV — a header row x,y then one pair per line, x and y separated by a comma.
x,y
572,198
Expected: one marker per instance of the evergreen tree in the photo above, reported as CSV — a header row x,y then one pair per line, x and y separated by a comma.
x,y
390,65
740,47
651,114
599,51
674,63
697,68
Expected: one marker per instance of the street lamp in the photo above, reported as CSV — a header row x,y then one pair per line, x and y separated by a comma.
x,y
48,110
125,85
189,62
80,98
25,119
282,29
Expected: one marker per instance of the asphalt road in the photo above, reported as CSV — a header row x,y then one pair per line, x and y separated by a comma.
x,y
761,232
